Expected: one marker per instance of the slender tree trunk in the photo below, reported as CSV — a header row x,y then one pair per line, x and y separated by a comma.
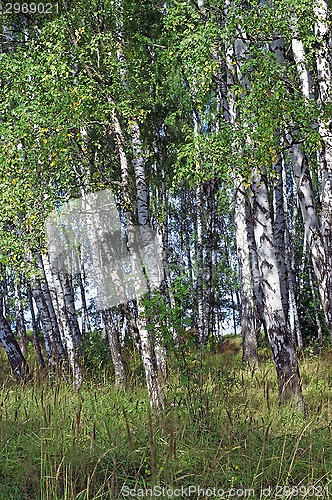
x,y
96,239
142,193
154,386
283,349
259,316
201,327
68,339
50,295
115,349
86,326
15,357
248,323
35,330
312,230
322,32
209,225
248,315
294,321
165,242
279,227
53,346
324,73
69,298
318,323
20,322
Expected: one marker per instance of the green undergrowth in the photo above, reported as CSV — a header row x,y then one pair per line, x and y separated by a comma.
x,y
222,428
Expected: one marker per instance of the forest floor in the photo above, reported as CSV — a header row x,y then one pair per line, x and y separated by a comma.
x,y
222,435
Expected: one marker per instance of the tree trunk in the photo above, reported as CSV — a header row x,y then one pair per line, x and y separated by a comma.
x,y
54,349
201,327
86,326
20,322
324,73
69,298
209,228
248,323
97,239
50,295
283,349
155,389
15,357
279,228
290,254
322,33
259,316
312,230
68,339
318,323
115,350
35,330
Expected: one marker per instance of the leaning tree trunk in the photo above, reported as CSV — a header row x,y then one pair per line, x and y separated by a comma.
x,y
283,349
54,349
15,357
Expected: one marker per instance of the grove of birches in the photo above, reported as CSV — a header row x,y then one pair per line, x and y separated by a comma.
x,y
210,122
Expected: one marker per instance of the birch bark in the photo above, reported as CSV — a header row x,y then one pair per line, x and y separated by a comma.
x,y
321,256
15,357
283,349
20,321
236,54
324,73
248,323
148,354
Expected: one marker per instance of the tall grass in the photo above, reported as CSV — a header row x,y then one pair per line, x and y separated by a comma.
x,y
221,429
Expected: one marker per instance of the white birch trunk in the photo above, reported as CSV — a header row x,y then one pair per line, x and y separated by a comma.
x,y
200,304
294,322
154,386
248,313
322,32
313,235
52,301
68,338
283,349
324,73
96,237
20,322
279,228
15,357
248,323
54,348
